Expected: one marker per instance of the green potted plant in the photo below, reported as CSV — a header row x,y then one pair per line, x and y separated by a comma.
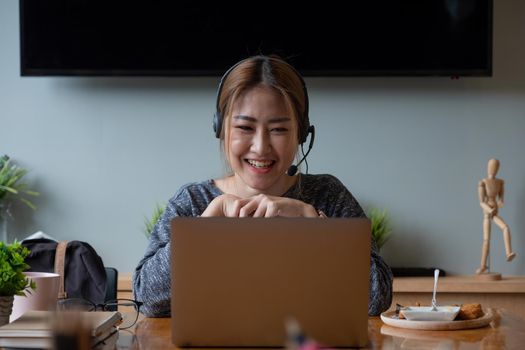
x,y
381,228
13,281
12,186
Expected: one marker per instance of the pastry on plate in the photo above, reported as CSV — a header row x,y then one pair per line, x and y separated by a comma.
x,y
469,312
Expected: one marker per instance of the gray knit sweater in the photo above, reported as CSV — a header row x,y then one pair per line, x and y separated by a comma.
x,y
151,279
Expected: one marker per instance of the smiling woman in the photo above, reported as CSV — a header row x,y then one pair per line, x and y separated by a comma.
x,y
261,120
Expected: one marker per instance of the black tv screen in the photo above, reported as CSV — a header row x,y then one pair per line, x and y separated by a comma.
x,y
193,38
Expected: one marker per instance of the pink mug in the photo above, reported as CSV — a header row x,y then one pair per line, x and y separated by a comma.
x,y
44,297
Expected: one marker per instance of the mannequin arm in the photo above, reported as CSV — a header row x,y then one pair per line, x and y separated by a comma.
x,y
482,193
487,208
501,194
483,197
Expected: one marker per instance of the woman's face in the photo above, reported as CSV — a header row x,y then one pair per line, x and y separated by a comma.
x,y
261,142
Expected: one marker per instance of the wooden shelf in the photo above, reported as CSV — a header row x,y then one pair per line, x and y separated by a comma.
x,y
124,287
507,293
460,284
124,282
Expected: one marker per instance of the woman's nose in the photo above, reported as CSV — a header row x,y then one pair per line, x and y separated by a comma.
x,y
261,142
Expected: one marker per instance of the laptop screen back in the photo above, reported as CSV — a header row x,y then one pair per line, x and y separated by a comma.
x,y
236,281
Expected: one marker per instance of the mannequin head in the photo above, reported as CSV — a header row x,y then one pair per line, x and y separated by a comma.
x,y
492,167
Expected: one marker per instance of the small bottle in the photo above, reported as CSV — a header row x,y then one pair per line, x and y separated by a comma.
x,y
70,331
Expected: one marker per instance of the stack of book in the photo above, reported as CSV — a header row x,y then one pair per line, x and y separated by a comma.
x,y
42,330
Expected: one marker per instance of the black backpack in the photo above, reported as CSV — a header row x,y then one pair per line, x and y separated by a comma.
x,y
82,272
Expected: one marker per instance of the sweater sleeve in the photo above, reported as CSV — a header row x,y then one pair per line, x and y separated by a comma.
x,y
380,283
344,204
151,278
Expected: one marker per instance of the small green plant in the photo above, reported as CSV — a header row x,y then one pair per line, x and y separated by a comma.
x,y
11,184
381,228
12,267
149,223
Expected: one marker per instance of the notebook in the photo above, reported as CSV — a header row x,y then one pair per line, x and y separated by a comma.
x,y
236,281
34,329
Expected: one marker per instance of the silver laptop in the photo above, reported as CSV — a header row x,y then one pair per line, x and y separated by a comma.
x,y
236,281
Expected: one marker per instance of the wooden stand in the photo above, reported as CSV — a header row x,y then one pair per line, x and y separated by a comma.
x,y
488,276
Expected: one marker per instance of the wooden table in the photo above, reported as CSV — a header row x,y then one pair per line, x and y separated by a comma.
x,y
506,331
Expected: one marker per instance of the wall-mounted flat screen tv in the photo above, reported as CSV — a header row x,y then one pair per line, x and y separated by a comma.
x,y
195,38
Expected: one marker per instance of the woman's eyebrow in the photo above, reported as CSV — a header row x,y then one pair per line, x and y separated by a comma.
x,y
280,120
245,117
253,120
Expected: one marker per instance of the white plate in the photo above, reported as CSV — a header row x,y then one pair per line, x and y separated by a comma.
x,y
425,313
390,319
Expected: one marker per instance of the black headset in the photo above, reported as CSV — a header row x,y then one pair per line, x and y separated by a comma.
x,y
305,130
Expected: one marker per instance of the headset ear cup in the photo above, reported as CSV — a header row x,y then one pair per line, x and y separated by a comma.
x,y
304,134
308,130
311,130
217,125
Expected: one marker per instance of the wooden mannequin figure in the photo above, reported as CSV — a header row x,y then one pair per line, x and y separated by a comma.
x,y
491,193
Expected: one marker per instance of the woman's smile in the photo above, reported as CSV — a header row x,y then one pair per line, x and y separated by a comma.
x,y
260,166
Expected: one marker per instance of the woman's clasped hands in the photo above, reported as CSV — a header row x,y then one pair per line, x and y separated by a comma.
x,y
259,206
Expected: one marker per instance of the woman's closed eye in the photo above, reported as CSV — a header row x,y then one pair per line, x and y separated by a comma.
x,y
244,127
280,130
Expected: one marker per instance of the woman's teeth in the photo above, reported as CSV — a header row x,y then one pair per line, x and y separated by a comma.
x,y
260,164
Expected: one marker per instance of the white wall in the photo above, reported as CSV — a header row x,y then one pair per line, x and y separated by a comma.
x,y
103,151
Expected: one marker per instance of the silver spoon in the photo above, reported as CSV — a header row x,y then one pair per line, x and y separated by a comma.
x,y
436,276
